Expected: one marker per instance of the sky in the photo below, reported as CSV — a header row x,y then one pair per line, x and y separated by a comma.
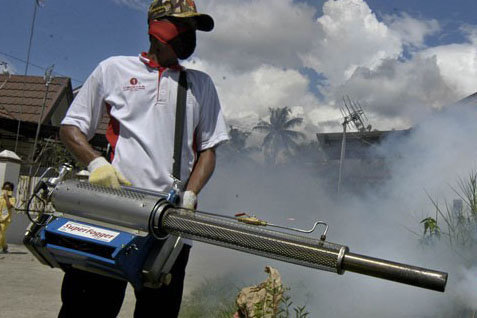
x,y
401,60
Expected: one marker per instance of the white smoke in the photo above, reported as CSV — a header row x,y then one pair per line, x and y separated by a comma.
x,y
382,222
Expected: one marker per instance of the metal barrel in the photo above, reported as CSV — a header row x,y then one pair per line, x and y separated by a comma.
x,y
130,209
397,272
294,249
252,239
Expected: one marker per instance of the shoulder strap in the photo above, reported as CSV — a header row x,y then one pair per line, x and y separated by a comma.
x,y
179,129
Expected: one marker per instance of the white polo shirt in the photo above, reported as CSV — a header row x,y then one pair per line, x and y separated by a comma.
x,y
141,101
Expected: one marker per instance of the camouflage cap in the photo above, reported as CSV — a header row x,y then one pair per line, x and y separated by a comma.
x,y
180,9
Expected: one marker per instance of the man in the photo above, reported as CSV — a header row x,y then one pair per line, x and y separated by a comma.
x,y
139,94
7,205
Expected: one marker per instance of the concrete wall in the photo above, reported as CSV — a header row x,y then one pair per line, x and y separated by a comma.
x,y
9,171
17,228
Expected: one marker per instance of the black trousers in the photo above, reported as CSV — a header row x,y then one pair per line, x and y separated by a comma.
x,y
86,294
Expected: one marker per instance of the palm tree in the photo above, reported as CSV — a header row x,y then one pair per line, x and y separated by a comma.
x,y
279,136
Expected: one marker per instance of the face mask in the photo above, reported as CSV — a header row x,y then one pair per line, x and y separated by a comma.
x,y
184,44
181,39
7,192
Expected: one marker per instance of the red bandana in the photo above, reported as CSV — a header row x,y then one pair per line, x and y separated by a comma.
x,y
165,31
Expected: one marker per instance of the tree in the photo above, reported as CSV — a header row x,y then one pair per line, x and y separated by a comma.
x,y
237,142
236,148
279,136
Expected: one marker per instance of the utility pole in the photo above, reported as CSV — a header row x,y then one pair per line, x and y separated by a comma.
x,y
343,152
48,78
38,3
352,114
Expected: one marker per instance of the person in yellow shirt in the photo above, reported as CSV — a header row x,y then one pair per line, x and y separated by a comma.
x,y
7,205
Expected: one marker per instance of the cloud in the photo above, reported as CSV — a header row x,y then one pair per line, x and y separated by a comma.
x,y
260,53
247,96
457,64
407,91
357,54
411,30
351,36
249,34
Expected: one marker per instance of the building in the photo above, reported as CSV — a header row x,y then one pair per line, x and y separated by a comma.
x,y
23,100
364,160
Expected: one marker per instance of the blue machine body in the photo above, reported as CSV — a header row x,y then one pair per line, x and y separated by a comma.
x,y
64,242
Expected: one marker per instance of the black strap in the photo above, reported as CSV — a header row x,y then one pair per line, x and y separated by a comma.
x,y
179,130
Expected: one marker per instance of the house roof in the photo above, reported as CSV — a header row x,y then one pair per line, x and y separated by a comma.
x,y
21,97
469,100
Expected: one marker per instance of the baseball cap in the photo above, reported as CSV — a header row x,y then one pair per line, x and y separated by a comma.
x,y
180,9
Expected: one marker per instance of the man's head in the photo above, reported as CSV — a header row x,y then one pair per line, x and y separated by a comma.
x,y
172,26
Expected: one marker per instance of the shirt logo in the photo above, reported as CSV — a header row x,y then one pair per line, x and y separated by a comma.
x,y
134,85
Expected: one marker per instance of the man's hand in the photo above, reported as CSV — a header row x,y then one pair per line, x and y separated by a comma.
x,y
103,173
189,200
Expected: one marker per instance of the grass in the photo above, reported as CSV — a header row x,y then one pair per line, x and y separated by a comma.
x,y
216,298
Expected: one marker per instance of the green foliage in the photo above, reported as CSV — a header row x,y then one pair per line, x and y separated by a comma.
x,y
238,139
52,153
236,148
430,227
458,225
215,298
300,312
283,308
212,298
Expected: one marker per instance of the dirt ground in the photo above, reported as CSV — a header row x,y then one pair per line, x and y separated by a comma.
x,y
29,289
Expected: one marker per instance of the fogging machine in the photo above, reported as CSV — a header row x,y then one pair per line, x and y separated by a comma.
x,y
135,235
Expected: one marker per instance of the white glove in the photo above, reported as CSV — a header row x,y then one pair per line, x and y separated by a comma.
x,y
189,200
103,173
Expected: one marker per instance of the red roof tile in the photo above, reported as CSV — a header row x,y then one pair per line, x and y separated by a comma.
x,y
22,97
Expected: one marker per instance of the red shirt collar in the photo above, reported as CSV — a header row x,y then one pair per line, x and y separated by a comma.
x,y
146,60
